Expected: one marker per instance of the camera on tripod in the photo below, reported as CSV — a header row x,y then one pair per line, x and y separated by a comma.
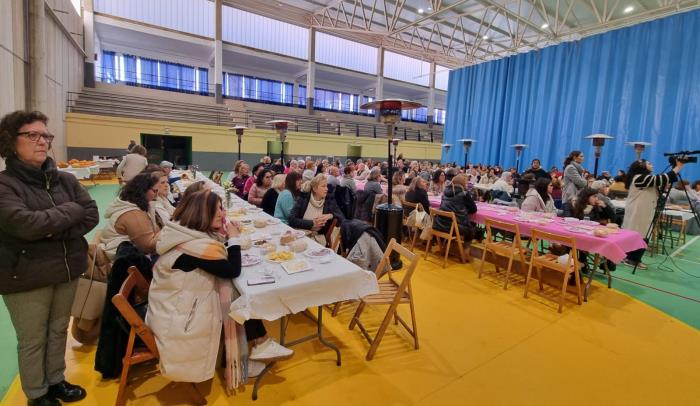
x,y
682,157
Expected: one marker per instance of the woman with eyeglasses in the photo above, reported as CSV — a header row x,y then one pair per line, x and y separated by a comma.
x,y
262,183
44,214
131,217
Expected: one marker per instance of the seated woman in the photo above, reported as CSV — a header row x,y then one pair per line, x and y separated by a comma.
x,y
129,217
240,177
418,193
539,198
438,184
504,185
373,181
163,208
286,198
184,311
348,179
398,189
251,179
680,195
262,183
269,200
456,199
587,204
315,210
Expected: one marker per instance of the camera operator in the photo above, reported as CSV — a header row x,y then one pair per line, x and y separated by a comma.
x,y
642,199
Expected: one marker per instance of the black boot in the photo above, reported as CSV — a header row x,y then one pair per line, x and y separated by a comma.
x,y
67,392
46,400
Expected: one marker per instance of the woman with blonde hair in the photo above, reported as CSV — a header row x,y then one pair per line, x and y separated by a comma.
x,y
398,188
315,210
269,200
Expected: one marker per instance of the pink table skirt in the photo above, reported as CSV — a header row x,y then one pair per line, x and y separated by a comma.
x,y
613,247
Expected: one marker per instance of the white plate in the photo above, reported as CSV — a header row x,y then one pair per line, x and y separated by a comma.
x,y
292,267
571,220
254,210
250,260
590,223
272,221
579,230
318,252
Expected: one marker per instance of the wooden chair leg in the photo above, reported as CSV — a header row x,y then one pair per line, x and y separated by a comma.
x,y
194,394
382,330
356,316
460,245
123,380
539,277
510,265
413,319
447,253
428,243
483,259
567,275
413,240
527,279
577,275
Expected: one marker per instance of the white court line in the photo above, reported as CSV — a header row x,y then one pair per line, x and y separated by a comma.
x,y
684,246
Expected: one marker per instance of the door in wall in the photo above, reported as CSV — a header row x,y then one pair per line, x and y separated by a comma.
x,y
174,148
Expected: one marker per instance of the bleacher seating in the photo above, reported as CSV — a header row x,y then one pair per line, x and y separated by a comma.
x,y
126,101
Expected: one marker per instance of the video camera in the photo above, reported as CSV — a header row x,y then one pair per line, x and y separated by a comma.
x,y
683,157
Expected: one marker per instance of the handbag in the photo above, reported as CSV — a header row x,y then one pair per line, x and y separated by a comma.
x,y
427,226
416,217
90,295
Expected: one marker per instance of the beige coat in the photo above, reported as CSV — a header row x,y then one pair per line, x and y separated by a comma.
x,y
183,308
533,202
639,208
130,166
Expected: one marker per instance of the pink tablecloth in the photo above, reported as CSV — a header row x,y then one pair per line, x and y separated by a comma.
x,y
613,247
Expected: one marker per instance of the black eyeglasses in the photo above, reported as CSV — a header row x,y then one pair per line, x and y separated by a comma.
x,y
34,136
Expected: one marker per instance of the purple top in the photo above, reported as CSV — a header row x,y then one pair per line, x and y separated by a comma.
x,y
239,183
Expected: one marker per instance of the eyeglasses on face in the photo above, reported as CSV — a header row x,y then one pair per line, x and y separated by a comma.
x,y
34,136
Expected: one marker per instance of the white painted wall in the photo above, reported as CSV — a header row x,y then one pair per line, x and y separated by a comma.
x,y
343,53
256,31
192,16
407,69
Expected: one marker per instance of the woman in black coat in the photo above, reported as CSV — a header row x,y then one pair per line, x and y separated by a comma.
x,y
315,210
418,193
456,199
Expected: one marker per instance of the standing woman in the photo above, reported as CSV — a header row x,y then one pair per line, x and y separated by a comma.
x,y
641,201
44,214
132,164
573,180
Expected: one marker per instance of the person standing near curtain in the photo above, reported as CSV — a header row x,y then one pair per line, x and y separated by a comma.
x,y
573,180
641,201
44,214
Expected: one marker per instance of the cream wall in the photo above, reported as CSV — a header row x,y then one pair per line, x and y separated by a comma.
x,y
105,132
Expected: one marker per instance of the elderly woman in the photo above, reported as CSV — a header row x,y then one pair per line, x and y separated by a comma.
x,y
503,187
373,181
130,217
132,164
287,197
269,200
239,177
418,193
193,262
398,189
44,214
315,210
263,181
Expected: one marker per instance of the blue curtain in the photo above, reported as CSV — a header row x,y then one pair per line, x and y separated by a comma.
x,y
288,93
108,71
187,78
637,83
130,69
203,81
302,95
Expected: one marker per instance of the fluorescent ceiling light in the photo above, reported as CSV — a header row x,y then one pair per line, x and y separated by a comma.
x,y
485,37
628,9
420,11
544,26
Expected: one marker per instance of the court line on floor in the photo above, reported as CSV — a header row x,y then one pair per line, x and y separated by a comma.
x,y
656,289
684,246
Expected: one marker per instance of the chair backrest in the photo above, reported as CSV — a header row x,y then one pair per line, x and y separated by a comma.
x,y
492,224
135,290
408,207
540,235
449,215
385,263
329,233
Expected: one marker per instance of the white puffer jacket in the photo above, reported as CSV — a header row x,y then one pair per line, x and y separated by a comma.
x,y
183,309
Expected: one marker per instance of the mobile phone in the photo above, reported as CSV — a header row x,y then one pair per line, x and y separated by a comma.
x,y
261,280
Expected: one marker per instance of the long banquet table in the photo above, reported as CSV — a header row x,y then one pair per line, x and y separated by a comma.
x,y
326,283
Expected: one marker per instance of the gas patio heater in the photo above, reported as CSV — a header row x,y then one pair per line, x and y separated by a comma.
x,y
598,142
467,144
281,128
447,149
389,216
519,148
639,147
239,132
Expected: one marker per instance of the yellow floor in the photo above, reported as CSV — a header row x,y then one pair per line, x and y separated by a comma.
x,y
479,345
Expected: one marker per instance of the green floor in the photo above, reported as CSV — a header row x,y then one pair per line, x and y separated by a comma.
x,y
671,284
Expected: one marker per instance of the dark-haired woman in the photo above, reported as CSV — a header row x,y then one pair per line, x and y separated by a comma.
x,y
184,308
269,200
257,168
587,204
44,214
437,186
286,199
641,201
129,217
262,183
539,198
572,179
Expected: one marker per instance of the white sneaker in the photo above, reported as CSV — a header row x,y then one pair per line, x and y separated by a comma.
x,y
270,350
255,368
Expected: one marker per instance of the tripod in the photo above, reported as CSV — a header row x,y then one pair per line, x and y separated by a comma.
x,y
658,211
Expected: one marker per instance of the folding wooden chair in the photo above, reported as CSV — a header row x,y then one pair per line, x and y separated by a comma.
x,y
413,231
440,236
329,234
134,290
393,293
551,261
502,248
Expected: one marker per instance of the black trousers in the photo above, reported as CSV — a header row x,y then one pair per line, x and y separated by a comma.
x,y
254,329
636,255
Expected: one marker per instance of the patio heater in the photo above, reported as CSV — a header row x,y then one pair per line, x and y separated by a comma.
x,y
239,132
389,216
467,143
519,148
598,142
639,147
447,149
281,128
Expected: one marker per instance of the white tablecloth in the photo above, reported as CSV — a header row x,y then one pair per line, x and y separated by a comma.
x,y
107,163
82,173
683,214
182,185
324,284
